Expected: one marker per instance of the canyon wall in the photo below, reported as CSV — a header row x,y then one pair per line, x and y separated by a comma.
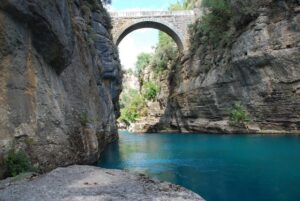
x,y
149,121
59,81
260,70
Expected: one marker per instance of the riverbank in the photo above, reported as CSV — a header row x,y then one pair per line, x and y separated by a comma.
x,y
88,183
207,127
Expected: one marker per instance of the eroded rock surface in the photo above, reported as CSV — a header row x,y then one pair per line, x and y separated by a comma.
x,y
59,81
85,183
261,70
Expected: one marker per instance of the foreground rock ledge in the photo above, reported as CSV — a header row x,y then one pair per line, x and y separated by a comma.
x,y
87,183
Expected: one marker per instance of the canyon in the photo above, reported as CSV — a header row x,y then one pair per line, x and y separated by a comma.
x,y
61,80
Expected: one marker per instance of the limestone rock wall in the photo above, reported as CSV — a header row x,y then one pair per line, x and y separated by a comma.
x,y
59,81
261,70
155,109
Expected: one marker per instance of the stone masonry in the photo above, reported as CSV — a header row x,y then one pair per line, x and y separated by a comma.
x,y
174,23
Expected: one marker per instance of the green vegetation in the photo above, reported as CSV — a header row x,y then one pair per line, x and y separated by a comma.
x,y
143,60
17,162
150,90
184,5
84,119
222,20
29,141
131,111
126,97
165,52
133,104
239,114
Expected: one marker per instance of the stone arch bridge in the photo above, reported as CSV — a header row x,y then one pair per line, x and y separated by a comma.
x,y
174,23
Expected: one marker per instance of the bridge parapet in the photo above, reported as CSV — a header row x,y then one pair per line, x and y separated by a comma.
x,y
137,14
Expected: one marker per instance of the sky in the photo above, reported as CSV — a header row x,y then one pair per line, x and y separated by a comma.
x,y
142,40
141,4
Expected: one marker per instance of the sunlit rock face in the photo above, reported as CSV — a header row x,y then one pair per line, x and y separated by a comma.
x,y
149,120
260,70
60,81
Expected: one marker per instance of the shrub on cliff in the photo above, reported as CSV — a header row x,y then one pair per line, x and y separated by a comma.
x,y
150,90
17,162
184,5
84,119
126,96
238,114
132,109
143,60
221,21
165,51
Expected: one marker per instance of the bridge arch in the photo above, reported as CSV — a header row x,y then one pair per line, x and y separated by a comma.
x,y
173,23
166,28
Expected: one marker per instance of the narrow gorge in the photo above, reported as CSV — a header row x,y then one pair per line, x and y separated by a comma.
x,y
212,109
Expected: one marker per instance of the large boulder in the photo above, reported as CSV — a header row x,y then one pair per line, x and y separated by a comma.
x,y
84,183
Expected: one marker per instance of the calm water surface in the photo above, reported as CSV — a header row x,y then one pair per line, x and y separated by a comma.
x,y
218,167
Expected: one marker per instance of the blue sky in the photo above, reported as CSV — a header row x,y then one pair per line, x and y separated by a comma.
x,y
140,40
141,4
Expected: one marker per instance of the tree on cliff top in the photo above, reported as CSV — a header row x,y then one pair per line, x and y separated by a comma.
x,y
185,5
143,60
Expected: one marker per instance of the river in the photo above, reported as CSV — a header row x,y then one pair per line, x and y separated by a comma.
x,y
218,167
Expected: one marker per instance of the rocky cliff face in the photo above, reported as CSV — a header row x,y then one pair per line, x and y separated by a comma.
x,y
260,70
130,81
150,121
59,82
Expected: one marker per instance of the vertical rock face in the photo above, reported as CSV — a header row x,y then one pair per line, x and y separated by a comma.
x,y
59,80
260,70
154,111
152,117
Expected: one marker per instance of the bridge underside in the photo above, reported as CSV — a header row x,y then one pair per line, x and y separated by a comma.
x,y
154,25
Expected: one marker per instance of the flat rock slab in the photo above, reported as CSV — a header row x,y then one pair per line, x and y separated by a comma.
x,y
88,183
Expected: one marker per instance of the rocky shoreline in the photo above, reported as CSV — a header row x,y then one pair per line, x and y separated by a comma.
x,y
215,127
88,183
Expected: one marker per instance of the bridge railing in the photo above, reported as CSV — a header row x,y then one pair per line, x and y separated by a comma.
x,y
150,13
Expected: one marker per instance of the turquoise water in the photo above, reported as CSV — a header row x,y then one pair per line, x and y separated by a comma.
x,y
218,167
